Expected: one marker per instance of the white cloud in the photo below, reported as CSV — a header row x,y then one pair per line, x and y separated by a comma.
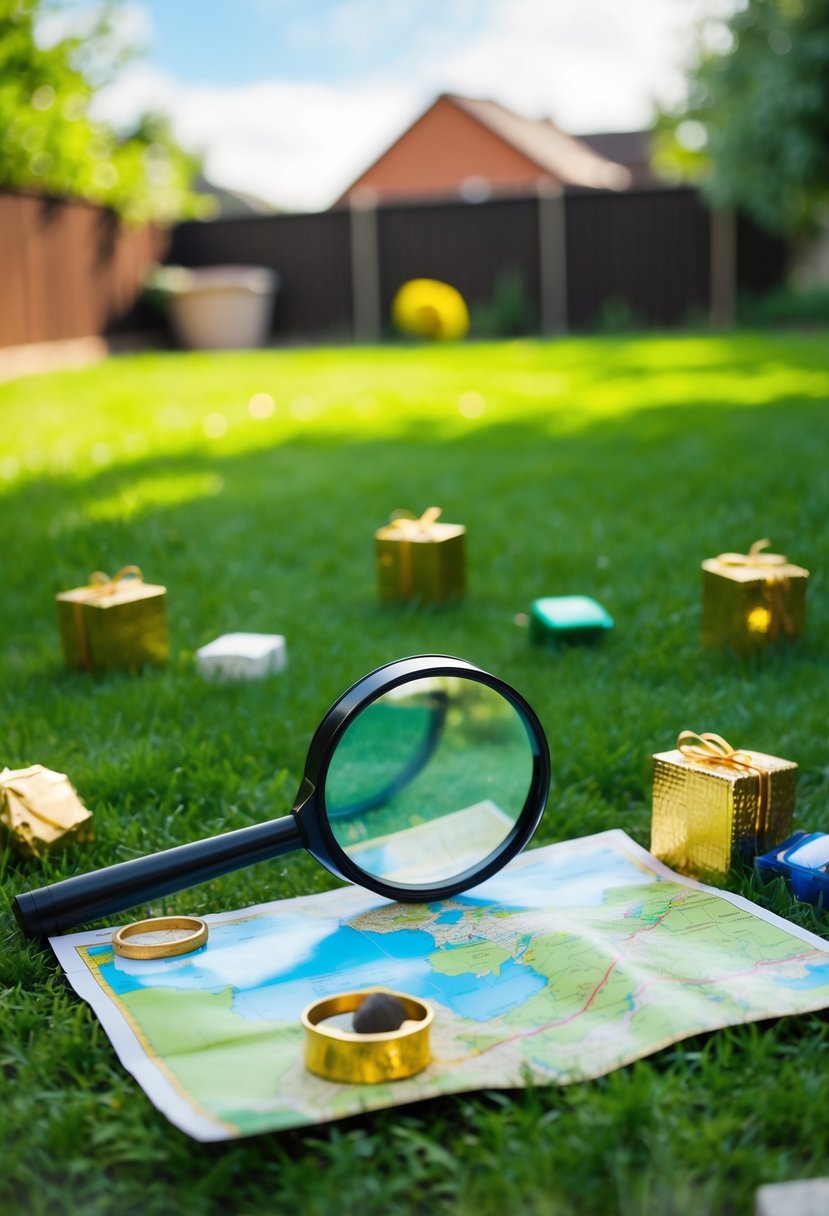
x,y
296,145
591,65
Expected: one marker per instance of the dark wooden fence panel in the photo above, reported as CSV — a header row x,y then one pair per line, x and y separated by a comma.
x,y
68,268
466,244
761,258
644,254
311,254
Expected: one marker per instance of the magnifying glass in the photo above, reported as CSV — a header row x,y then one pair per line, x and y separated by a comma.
x,y
425,778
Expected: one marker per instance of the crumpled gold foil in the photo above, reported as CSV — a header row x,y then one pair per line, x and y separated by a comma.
x,y
750,600
115,623
421,559
709,814
40,810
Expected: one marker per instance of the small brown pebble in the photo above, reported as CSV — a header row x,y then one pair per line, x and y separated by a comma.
x,y
379,1012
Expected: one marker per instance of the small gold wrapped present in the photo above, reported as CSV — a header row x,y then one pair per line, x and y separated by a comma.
x,y
115,623
421,559
714,806
39,810
752,599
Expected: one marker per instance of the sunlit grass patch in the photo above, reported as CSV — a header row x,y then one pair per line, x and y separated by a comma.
x,y
251,484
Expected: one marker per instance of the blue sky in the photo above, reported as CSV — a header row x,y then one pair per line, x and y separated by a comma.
x,y
291,99
236,42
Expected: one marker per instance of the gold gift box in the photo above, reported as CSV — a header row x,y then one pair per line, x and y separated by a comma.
x,y
421,559
752,599
714,807
113,624
39,810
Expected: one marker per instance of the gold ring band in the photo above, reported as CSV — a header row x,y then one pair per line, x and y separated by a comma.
x,y
182,945
366,1059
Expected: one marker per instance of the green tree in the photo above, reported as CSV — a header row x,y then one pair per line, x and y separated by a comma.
x,y
755,129
49,141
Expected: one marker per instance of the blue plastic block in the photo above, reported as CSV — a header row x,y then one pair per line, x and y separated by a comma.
x,y
803,860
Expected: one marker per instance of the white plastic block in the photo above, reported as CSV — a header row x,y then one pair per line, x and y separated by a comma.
x,y
242,656
807,1198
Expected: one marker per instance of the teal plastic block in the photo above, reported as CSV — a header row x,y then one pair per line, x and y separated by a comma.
x,y
570,618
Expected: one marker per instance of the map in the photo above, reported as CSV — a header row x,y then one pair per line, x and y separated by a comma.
x,y
576,959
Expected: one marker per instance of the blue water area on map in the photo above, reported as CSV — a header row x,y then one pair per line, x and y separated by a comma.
x,y
277,962
344,959
351,960
570,880
817,977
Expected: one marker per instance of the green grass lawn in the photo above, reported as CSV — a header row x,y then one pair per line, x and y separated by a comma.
x,y
609,467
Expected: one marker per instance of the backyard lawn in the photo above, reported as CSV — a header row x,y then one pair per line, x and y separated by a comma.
x,y
250,485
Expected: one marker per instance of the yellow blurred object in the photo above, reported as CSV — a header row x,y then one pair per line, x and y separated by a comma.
x,y
427,308
39,810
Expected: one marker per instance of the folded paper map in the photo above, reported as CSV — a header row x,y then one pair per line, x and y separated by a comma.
x,y
576,959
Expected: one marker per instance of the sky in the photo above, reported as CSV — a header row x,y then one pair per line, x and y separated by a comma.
x,y
290,100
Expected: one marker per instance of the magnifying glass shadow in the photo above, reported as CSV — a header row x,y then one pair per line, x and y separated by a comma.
x,y
423,779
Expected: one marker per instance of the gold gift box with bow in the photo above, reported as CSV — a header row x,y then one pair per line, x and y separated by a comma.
x,y
714,806
115,623
752,599
39,810
421,559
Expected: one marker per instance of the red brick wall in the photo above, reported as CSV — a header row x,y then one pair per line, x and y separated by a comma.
x,y
445,146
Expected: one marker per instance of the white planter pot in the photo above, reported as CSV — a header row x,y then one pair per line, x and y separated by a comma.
x,y
223,307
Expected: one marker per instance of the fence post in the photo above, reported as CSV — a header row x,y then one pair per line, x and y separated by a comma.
x,y
365,266
723,269
552,258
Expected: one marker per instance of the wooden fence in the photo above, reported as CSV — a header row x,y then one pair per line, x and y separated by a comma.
x,y
580,260
584,259
68,269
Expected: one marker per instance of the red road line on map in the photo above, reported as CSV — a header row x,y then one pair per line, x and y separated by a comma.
x,y
693,982
529,1034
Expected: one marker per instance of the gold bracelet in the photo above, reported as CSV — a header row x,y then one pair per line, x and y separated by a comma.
x,y
366,1059
160,924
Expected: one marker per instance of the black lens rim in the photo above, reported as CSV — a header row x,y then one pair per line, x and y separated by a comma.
x,y
311,814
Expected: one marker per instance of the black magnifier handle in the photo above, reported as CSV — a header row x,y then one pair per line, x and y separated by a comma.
x,y
129,883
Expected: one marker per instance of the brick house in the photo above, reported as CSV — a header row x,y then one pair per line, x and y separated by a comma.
x,y
462,147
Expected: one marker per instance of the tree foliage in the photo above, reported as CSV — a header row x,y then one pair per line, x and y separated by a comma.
x,y
755,128
49,139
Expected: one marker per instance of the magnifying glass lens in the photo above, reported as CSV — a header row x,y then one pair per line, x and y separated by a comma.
x,y
429,780
422,780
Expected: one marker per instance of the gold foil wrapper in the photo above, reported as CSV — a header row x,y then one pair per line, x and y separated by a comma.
x,y
430,566
748,607
40,811
119,627
708,817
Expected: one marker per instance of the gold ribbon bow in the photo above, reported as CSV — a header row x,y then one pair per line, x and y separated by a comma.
x,y
754,557
710,748
103,585
411,526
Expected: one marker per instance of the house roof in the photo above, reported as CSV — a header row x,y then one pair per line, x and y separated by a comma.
x,y
564,157
629,148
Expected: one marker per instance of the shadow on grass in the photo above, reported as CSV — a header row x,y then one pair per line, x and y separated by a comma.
x,y
280,539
